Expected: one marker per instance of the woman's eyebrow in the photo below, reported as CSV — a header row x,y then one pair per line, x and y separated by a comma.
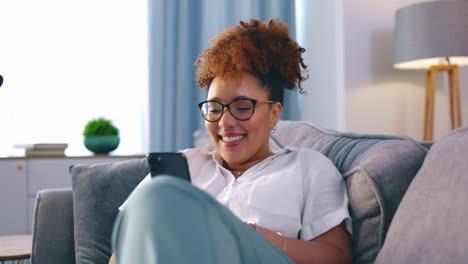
x,y
241,97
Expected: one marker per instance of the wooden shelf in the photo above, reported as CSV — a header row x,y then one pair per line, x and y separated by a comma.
x,y
77,157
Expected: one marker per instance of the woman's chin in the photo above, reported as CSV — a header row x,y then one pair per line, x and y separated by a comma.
x,y
232,149
230,157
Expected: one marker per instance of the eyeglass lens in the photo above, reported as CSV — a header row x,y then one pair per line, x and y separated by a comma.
x,y
240,109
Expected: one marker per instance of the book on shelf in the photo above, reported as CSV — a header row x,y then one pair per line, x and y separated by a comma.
x,y
45,153
42,146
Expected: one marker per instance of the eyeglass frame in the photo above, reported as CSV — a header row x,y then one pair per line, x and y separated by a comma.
x,y
228,106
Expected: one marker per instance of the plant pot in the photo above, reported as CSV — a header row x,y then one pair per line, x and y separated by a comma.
x,y
101,144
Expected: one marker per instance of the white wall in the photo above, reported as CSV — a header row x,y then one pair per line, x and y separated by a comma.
x,y
379,98
321,34
359,75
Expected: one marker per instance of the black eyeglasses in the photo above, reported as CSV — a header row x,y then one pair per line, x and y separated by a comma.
x,y
241,109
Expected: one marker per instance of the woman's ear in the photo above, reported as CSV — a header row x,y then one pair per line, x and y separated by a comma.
x,y
277,108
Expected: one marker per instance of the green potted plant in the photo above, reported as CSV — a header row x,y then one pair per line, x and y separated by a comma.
x,y
101,136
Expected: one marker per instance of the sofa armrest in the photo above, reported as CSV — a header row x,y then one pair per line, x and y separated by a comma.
x,y
53,240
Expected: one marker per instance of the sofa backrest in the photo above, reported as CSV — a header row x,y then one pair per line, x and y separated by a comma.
x,y
52,239
378,169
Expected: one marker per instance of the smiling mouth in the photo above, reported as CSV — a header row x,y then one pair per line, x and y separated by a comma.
x,y
231,139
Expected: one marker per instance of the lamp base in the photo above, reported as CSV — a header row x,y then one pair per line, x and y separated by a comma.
x,y
454,97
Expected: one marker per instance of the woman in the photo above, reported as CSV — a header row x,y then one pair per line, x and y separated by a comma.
x,y
294,201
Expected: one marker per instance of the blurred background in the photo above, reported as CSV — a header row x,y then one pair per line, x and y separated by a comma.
x,y
65,62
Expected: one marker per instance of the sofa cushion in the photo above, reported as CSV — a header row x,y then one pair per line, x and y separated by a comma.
x,y
377,170
98,191
430,224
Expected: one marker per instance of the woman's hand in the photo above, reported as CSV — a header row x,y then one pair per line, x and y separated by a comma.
x,y
112,259
334,246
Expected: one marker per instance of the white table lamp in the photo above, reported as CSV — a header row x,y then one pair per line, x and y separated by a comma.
x,y
434,36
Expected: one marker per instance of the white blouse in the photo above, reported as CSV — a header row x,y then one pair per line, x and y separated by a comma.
x,y
299,193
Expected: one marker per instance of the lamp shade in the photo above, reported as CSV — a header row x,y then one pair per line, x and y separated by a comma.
x,y
426,33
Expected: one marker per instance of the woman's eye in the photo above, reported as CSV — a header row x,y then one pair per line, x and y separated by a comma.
x,y
243,109
215,111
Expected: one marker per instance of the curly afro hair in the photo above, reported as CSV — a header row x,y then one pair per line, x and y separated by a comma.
x,y
263,49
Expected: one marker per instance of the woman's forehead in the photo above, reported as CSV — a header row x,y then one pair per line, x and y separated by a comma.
x,y
245,84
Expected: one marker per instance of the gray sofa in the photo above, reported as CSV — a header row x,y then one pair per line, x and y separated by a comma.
x,y
407,203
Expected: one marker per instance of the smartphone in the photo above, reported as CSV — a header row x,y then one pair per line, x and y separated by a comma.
x,y
168,163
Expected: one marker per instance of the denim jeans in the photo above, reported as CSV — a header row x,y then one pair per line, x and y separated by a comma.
x,y
170,221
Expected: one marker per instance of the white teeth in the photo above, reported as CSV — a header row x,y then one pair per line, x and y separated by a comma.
x,y
231,139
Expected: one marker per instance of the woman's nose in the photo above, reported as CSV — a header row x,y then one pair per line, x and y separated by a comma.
x,y
227,120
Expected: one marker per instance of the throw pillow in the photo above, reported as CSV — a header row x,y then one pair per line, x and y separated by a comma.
x,y
377,170
430,224
98,191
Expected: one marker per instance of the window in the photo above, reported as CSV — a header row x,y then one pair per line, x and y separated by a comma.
x,y
65,62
